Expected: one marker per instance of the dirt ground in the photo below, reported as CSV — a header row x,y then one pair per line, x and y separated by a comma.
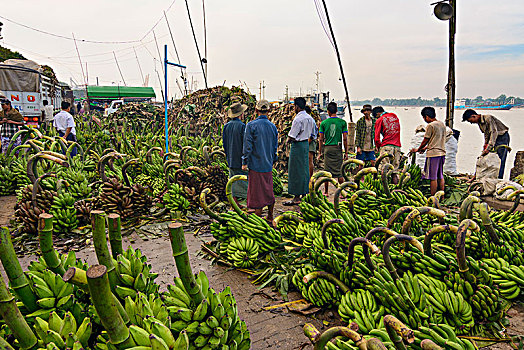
x,y
270,329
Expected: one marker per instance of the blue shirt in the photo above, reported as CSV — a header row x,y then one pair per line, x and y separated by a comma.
x,y
233,141
260,145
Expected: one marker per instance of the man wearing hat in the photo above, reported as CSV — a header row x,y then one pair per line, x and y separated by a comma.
x,y
365,134
496,133
260,153
233,141
10,121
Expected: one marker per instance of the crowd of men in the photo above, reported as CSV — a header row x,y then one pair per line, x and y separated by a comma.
x,y
252,149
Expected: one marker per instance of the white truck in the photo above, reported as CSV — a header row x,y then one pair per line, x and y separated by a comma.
x,y
113,107
22,82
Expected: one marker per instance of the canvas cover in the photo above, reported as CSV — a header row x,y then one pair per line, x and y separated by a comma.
x,y
19,75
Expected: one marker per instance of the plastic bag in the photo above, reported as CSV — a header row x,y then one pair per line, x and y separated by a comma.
x,y
487,167
504,196
420,158
450,165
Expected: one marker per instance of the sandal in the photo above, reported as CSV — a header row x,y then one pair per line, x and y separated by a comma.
x,y
290,203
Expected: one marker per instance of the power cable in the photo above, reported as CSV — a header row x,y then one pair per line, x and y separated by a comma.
x,y
196,43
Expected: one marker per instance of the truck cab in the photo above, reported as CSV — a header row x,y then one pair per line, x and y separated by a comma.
x,y
113,107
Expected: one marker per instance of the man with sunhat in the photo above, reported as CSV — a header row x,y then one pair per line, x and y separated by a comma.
x,y
496,133
233,141
10,122
260,153
365,134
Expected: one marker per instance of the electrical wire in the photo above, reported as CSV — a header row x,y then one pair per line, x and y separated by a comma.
x,y
321,16
196,43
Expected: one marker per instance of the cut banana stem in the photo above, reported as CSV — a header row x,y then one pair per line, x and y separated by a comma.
x,y
375,344
45,237
98,222
124,170
359,193
363,173
432,232
387,245
465,210
386,170
207,210
386,231
100,291
381,158
114,228
367,243
406,225
396,215
14,272
328,277
346,165
338,192
181,256
428,344
483,210
460,246
333,332
395,327
13,318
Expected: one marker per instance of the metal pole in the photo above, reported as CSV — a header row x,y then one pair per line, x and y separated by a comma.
x,y
339,60
450,87
165,98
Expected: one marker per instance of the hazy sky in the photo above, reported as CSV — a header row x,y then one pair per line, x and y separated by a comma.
x,y
389,48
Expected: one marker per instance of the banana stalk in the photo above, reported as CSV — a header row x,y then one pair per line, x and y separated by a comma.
x,y
369,236
428,344
10,150
394,217
328,277
45,238
465,207
14,319
320,340
167,170
363,173
386,170
338,192
460,246
432,232
421,211
483,210
104,302
181,256
313,180
229,195
346,165
207,210
366,243
434,201
398,332
114,228
515,196
324,180
381,158
4,345
98,221
124,170
101,166
14,272
36,186
387,245
33,162
325,227
354,197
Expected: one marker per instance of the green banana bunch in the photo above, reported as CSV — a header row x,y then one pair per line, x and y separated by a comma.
x,y
486,304
348,344
313,237
437,265
319,292
174,199
509,278
7,181
54,295
242,252
361,307
328,260
134,274
442,335
156,184
19,171
287,227
221,232
63,333
64,211
143,307
68,260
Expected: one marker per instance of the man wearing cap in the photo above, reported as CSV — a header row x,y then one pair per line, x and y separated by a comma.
x,y
495,134
260,153
387,126
299,136
233,141
10,122
365,134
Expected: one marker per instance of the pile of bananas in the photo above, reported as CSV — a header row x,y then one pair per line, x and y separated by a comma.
x,y
7,181
64,211
242,252
115,197
287,224
155,184
27,215
443,335
216,180
63,333
77,183
361,307
174,199
83,211
134,274
486,304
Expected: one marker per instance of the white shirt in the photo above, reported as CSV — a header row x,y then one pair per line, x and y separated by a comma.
x,y
303,127
64,120
48,112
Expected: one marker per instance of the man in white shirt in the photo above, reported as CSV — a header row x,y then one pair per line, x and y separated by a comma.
x,y
47,113
299,136
65,124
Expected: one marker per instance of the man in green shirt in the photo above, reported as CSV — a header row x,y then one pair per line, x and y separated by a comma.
x,y
332,132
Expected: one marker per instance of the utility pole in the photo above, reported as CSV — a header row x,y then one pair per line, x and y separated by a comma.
x,y
287,94
450,87
260,91
318,79
339,60
139,67
119,69
263,90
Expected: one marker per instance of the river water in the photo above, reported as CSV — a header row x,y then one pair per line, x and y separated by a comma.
x,y
471,139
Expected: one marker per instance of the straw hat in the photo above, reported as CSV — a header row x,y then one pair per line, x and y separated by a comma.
x,y
235,110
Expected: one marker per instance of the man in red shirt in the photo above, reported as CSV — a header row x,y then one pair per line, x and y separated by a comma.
x,y
388,126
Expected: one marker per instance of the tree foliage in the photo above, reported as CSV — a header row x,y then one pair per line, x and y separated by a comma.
x,y
6,54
